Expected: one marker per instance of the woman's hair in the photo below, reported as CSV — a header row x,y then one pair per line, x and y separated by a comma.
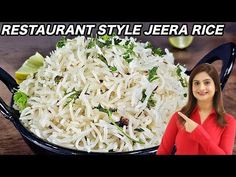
x,y
217,99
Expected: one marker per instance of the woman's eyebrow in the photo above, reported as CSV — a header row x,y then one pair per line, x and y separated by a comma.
x,y
207,80
202,80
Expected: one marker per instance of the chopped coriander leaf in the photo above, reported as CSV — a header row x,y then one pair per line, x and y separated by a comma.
x,y
129,46
113,68
178,71
61,42
182,80
101,44
107,37
127,57
158,51
107,40
143,95
73,96
20,99
152,74
148,45
108,111
91,44
151,102
103,41
155,51
104,60
117,41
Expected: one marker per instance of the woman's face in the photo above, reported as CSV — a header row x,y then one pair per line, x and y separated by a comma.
x,y
203,87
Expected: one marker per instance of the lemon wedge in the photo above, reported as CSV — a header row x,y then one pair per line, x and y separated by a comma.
x,y
180,42
31,65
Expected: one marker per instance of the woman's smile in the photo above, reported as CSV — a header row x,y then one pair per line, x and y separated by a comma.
x,y
202,93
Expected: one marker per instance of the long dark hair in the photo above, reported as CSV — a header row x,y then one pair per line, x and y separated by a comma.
x,y
217,99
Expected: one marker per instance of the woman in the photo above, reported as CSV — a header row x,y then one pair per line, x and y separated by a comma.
x,y
202,126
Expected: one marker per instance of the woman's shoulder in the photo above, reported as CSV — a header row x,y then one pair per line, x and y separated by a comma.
x,y
174,116
229,118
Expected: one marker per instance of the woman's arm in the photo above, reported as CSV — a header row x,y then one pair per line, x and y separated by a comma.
x,y
168,138
226,143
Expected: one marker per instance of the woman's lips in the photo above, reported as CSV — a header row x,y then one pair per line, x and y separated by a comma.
x,y
202,93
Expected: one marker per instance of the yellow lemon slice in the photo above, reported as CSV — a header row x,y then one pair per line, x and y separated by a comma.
x,y
180,42
31,65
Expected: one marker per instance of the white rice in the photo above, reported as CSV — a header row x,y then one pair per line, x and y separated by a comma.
x,y
76,123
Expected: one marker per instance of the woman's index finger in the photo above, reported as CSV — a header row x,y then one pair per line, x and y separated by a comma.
x,y
183,116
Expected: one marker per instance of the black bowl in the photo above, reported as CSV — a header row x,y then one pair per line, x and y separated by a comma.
x,y
225,52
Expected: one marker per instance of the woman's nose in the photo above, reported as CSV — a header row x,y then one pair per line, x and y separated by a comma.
x,y
202,86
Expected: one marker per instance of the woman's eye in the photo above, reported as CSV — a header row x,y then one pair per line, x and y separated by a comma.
x,y
207,82
196,83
